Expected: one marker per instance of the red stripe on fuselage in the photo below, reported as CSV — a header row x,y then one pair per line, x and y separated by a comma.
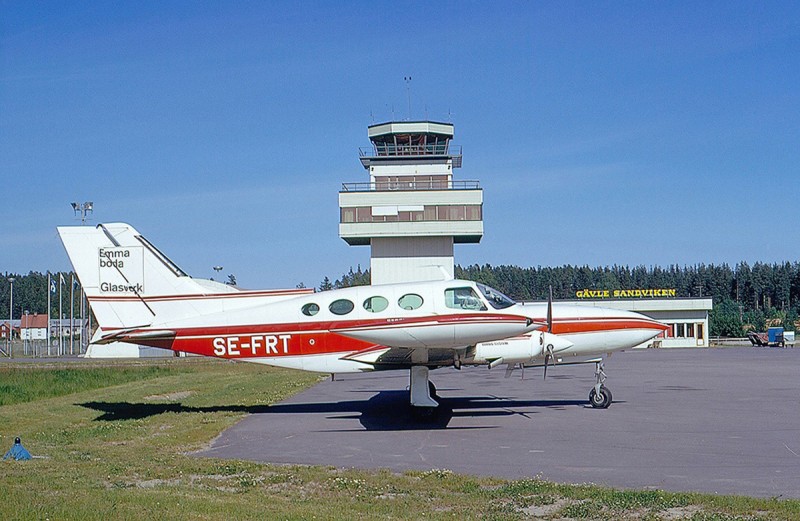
x,y
563,326
297,338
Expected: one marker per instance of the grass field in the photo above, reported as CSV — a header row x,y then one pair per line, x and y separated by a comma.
x,y
116,442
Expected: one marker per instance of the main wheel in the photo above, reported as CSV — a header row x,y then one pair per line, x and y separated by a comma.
x,y
601,400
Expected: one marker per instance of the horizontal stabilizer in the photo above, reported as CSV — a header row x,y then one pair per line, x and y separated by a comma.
x,y
131,335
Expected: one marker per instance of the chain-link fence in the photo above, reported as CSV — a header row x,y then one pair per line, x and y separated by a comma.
x,y
40,348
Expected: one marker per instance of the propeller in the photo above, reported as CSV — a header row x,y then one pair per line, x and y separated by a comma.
x,y
548,348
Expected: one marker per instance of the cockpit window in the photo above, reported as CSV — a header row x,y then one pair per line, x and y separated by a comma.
x,y
463,298
495,298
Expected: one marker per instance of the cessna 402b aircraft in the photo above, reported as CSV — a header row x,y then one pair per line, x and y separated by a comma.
x,y
140,296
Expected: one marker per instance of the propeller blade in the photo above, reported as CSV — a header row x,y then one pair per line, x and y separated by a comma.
x,y
550,311
548,357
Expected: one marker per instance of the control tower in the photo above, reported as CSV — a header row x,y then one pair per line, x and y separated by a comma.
x,y
411,211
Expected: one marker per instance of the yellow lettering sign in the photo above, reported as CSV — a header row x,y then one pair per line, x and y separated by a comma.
x,y
626,293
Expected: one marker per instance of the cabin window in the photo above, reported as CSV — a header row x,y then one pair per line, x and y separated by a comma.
x,y
310,309
409,301
376,304
463,298
341,307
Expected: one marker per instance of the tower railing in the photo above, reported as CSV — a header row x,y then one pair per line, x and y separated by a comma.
x,y
400,150
391,186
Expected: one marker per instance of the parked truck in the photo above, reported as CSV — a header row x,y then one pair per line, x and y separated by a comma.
x,y
774,337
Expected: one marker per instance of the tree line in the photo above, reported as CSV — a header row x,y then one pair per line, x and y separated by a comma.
x,y
30,294
745,297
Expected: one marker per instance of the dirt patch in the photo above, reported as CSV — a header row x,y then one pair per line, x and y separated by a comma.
x,y
537,511
686,512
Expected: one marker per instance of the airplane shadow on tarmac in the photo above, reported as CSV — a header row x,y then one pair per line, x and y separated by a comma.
x,y
385,411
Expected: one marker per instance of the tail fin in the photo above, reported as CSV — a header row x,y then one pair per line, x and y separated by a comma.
x,y
125,277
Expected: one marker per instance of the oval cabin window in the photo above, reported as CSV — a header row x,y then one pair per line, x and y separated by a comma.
x,y
341,307
409,301
310,309
376,304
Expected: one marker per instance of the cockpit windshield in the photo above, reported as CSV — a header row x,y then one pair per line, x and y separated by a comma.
x,y
495,298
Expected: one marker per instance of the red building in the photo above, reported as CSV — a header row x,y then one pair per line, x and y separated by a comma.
x,y
6,329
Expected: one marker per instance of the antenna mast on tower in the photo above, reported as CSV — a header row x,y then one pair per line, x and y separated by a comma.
x,y
408,93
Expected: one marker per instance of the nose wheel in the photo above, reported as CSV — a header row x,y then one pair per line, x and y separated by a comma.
x,y
600,397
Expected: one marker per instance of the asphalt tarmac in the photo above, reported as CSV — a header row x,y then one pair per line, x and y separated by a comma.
x,y
720,420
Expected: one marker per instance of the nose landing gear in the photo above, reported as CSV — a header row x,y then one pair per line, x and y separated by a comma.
x,y
600,397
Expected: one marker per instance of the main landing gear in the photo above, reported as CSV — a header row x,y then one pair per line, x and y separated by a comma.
x,y
422,393
600,397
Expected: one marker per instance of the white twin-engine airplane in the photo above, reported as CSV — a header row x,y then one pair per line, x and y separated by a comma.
x,y
140,296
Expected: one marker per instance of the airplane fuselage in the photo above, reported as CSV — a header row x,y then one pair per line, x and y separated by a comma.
x,y
381,327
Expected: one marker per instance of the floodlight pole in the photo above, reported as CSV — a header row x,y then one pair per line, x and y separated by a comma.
x,y
60,317
82,332
25,340
48,337
10,315
72,314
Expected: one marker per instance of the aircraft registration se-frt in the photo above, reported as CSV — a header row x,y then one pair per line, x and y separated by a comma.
x,y
140,296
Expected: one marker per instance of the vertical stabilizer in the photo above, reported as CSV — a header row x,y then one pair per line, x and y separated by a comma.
x,y
131,284
126,279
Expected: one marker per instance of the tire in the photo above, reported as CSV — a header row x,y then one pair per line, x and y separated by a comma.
x,y
602,400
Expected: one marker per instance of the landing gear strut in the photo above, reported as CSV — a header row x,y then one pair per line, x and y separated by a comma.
x,y
600,397
422,389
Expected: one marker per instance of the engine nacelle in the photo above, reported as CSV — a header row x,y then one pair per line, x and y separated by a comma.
x,y
524,349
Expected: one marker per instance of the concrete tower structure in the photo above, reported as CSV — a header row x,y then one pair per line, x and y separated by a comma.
x,y
411,211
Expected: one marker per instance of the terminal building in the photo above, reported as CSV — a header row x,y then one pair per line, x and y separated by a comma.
x,y
411,211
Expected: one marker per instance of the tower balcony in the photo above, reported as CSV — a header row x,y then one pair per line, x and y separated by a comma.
x,y
387,153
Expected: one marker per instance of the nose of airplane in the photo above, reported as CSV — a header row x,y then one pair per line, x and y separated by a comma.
x,y
635,320
653,324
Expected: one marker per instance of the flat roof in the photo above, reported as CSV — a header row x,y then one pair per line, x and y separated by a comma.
x,y
410,127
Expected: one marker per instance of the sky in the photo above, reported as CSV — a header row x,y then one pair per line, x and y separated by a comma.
x,y
602,133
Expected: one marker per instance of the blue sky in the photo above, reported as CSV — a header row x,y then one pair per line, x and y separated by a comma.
x,y
638,133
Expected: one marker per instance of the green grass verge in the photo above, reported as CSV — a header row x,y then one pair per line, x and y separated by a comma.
x,y
19,384
96,465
